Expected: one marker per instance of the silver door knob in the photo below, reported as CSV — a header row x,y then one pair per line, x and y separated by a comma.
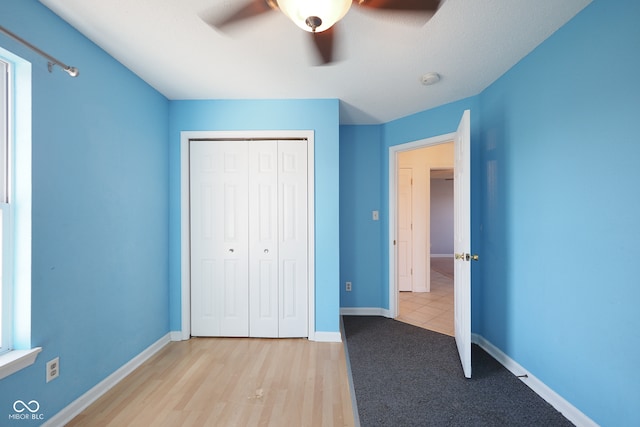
x,y
266,251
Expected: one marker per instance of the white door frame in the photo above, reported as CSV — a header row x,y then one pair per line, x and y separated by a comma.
x,y
393,206
185,241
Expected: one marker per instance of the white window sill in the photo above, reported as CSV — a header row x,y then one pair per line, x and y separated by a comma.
x,y
14,360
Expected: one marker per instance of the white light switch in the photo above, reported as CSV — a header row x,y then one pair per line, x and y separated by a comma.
x,y
374,215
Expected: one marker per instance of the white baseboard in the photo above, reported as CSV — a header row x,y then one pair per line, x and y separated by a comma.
x,y
572,413
327,337
81,403
364,311
177,336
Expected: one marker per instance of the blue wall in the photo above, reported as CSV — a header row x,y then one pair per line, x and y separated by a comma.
x,y
555,155
560,156
99,291
322,117
361,165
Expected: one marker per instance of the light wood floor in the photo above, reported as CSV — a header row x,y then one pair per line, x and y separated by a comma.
x,y
231,382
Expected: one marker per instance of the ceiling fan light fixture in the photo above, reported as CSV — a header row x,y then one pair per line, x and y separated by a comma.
x,y
315,16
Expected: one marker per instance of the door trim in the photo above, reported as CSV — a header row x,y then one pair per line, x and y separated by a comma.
x,y
393,226
185,242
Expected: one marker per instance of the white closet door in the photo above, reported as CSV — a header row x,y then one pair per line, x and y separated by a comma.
x,y
219,238
263,239
292,227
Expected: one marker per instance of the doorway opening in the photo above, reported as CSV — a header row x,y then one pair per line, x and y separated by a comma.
x,y
461,139
422,260
425,237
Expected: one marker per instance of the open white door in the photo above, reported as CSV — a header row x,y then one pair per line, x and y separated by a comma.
x,y
462,242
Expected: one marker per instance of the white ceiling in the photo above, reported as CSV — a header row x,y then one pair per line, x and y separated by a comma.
x,y
382,56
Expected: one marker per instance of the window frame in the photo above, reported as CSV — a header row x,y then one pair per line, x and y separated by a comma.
x,y
6,209
17,290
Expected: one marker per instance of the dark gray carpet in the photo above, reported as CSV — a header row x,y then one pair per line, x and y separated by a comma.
x,y
408,376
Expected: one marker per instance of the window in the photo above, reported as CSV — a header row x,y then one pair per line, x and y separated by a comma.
x,y
6,282
16,352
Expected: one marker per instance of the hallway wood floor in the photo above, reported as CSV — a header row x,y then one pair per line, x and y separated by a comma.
x,y
231,382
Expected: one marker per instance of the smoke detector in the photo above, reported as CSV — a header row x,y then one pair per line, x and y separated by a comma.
x,y
430,78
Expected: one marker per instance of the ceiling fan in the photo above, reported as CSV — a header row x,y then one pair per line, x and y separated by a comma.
x,y
318,17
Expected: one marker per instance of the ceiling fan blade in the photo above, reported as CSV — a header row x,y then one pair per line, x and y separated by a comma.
x,y
414,5
250,10
323,42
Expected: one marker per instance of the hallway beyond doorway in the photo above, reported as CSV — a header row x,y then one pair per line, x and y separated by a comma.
x,y
430,310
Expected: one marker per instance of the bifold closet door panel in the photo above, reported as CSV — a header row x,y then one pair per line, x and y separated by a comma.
x,y
263,239
249,243
292,241
219,238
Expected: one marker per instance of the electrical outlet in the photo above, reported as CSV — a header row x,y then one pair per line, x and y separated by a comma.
x,y
348,286
53,369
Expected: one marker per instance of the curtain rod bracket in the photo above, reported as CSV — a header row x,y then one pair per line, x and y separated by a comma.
x,y
72,71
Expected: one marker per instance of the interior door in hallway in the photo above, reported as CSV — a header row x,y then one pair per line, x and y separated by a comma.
x,y
405,229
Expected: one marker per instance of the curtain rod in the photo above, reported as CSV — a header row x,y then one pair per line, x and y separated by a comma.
x,y
72,71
